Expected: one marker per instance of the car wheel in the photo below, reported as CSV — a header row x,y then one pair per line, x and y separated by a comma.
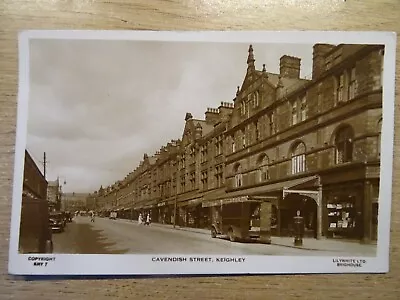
x,y
213,232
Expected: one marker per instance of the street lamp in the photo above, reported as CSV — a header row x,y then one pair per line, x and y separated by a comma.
x,y
60,192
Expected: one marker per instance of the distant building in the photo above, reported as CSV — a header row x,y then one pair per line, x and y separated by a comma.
x,y
312,145
74,201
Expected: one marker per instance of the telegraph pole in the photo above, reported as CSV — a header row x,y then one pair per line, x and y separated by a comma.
x,y
44,165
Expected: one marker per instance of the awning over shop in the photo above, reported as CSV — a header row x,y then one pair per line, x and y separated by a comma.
x,y
190,203
241,199
253,193
145,204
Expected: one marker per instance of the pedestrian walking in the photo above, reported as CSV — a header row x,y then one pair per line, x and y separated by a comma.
x,y
140,219
148,219
92,217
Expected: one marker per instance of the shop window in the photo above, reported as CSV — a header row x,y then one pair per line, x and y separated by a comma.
x,y
344,145
299,158
342,216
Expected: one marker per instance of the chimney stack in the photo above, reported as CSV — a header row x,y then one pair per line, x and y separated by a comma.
x,y
289,66
319,53
225,109
212,115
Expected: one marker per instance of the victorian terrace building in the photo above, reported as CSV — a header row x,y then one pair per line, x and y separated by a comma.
x,y
310,145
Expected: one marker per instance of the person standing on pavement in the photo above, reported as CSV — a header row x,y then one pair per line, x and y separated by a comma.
x,y
92,216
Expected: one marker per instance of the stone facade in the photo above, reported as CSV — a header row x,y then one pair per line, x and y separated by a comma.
x,y
74,201
281,132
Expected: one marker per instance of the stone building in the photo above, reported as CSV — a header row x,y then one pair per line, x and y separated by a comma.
x,y
311,145
34,221
74,201
319,136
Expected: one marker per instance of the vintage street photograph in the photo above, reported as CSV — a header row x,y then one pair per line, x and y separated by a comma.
x,y
214,148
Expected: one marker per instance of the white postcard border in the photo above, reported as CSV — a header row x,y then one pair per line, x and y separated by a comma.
x,y
127,264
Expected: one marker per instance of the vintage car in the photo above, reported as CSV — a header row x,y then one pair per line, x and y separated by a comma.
x,y
240,220
57,221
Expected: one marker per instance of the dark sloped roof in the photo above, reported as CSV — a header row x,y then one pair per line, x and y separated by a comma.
x,y
289,84
205,127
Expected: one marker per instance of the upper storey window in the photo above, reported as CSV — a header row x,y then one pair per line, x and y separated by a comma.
x,y
346,85
344,145
299,110
299,158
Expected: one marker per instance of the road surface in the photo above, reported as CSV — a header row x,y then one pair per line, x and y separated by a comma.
x,y
106,236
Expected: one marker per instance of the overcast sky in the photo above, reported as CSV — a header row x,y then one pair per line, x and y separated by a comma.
x,y
96,106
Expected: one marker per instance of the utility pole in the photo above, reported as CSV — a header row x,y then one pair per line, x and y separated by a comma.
x,y
44,165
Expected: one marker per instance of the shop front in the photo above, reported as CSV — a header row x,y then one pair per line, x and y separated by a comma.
x,y
352,210
192,214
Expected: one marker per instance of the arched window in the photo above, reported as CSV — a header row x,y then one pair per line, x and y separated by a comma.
x,y
262,171
238,175
299,158
344,145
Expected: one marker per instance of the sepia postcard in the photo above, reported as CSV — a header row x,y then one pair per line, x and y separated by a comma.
x,y
160,153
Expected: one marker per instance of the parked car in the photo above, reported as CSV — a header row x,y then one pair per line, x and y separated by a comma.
x,y
57,221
